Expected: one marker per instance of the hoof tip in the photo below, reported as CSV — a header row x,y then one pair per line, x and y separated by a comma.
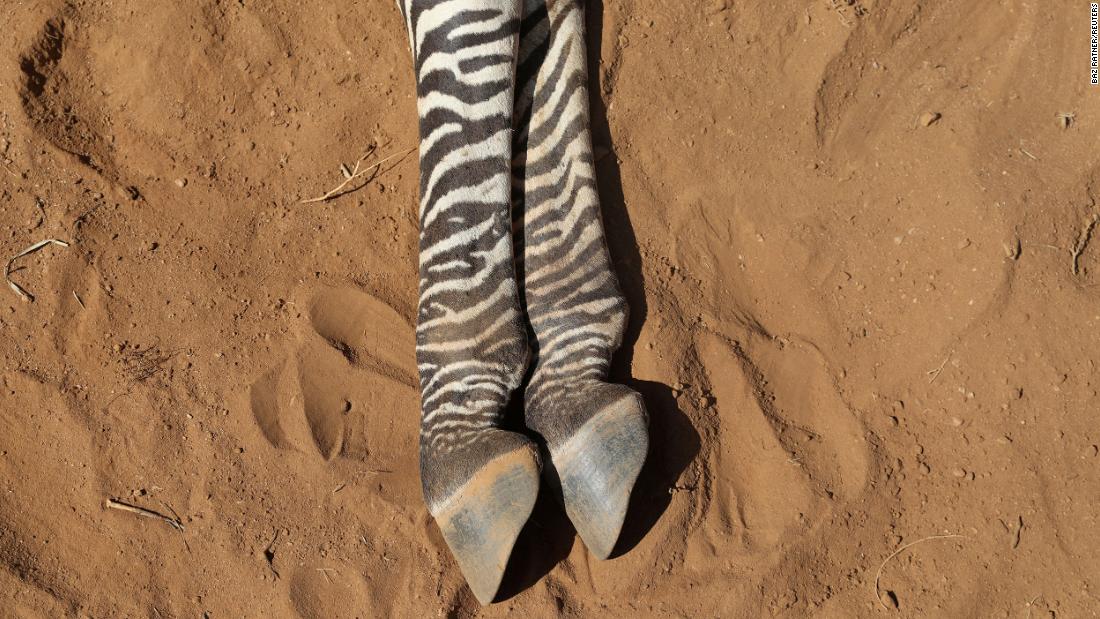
x,y
482,519
597,468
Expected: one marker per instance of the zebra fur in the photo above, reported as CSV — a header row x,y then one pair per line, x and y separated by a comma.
x,y
506,183
479,481
595,432
471,342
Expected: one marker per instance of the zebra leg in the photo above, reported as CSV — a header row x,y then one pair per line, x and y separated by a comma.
x,y
480,482
595,432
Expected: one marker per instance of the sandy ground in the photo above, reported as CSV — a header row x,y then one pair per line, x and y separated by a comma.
x,y
856,236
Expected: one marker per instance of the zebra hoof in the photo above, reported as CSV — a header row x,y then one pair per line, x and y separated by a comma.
x,y
482,519
597,468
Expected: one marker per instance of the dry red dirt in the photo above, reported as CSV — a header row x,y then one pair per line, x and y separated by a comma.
x,y
857,237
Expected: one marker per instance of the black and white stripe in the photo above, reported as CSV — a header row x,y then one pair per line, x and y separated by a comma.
x,y
513,258
571,296
470,342
596,433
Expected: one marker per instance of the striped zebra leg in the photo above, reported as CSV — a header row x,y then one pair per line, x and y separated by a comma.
x,y
480,482
596,432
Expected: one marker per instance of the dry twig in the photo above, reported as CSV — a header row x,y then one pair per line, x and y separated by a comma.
x,y
351,175
936,372
1032,603
878,574
147,513
142,364
19,290
326,570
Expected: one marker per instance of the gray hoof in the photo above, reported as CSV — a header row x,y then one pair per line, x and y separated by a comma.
x,y
597,468
482,519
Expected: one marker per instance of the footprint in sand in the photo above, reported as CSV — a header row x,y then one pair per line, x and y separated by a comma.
x,y
786,440
349,389
346,397
61,112
319,592
800,400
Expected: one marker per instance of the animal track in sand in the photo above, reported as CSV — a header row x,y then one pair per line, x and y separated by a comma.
x,y
794,389
320,592
786,440
349,388
57,97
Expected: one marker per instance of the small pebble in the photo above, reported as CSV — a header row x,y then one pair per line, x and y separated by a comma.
x,y
928,118
889,599
181,182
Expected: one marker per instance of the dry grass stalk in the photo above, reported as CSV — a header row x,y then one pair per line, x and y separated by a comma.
x,y
19,290
351,175
147,513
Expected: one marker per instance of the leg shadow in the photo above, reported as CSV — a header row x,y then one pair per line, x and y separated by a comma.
x,y
546,540
548,537
673,440
673,443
